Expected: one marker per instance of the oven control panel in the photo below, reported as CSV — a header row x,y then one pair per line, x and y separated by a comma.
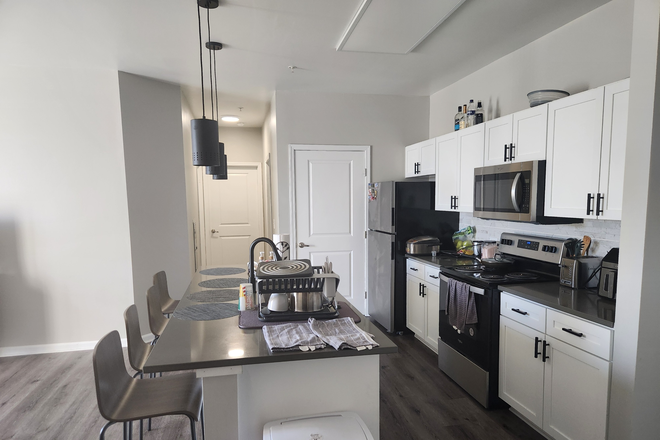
x,y
538,248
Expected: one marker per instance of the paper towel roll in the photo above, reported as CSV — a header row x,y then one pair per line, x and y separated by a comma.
x,y
283,245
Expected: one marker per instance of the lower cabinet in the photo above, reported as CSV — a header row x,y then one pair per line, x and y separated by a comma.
x,y
423,303
558,387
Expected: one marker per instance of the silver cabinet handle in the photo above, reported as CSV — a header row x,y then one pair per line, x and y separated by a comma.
x,y
302,245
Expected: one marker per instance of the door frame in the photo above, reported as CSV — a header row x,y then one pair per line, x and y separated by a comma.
x,y
293,149
203,237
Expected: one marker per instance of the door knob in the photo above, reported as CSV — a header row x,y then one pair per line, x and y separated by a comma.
x,y
302,245
213,231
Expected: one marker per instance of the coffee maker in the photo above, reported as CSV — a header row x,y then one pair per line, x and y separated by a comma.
x,y
608,274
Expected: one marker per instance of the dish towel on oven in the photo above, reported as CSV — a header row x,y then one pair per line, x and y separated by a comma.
x,y
292,336
460,305
342,333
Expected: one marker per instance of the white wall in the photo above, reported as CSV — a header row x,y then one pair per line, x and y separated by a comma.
x,y
588,52
192,198
635,394
242,144
270,160
65,261
387,123
156,185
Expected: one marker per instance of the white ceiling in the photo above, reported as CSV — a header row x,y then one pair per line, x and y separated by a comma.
x,y
262,38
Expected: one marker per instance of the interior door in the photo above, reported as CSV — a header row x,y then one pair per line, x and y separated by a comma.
x,y
233,214
329,203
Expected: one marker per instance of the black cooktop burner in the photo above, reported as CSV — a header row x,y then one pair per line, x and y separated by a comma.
x,y
471,268
490,276
521,276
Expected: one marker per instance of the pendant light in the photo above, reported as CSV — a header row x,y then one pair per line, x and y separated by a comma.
x,y
219,172
205,131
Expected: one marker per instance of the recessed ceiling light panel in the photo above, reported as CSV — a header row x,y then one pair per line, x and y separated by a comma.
x,y
229,118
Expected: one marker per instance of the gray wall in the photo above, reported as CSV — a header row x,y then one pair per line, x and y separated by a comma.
x,y
387,123
155,184
242,144
588,52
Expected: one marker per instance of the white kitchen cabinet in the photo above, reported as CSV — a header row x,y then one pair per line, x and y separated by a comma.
x,y
415,306
458,154
432,329
575,393
446,175
584,171
521,374
519,137
420,159
557,378
423,303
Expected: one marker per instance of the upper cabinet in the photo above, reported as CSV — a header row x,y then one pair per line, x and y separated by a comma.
x,y
519,137
420,159
586,153
458,154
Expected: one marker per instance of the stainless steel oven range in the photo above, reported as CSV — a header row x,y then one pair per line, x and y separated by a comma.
x,y
471,357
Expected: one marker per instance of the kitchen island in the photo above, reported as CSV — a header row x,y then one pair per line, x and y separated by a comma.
x,y
247,385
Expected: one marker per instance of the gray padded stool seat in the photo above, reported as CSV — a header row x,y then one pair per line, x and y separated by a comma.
x,y
345,425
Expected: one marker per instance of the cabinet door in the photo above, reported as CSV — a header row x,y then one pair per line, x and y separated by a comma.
x,y
530,134
470,156
613,151
432,332
415,307
521,374
412,158
427,158
446,171
498,134
573,165
575,394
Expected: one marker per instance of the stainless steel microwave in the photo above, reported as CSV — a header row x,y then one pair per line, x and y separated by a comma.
x,y
514,192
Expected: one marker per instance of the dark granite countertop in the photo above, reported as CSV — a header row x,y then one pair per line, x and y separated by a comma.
x,y
577,302
187,345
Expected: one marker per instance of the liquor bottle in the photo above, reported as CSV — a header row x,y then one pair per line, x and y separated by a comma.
x,y
471,110
457,118
479,115
463,121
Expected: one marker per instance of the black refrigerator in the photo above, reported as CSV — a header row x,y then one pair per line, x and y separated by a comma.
x,y
398,211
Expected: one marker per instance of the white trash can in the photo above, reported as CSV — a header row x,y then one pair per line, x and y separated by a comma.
x,y
331,426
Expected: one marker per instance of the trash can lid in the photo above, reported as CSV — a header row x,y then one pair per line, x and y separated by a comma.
x,y
331,426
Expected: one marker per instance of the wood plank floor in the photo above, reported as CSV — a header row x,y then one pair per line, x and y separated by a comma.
x,y
53,397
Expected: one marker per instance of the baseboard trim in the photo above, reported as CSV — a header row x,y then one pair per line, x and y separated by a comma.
x,y
27,350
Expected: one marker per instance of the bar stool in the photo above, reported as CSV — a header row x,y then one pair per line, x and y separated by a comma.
x,y
157,321
138,350
167,304
123,399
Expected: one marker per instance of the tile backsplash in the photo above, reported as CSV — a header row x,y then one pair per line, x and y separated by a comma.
x,y
604,233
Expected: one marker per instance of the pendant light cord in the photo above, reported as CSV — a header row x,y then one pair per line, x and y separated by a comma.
x,y
215,73
208,26
201,64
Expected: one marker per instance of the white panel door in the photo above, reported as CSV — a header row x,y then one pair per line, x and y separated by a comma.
x,y
498,134
446,171
330,216
233,212
470,156
530,134
573,166
576,393
613,152
412,159
521,373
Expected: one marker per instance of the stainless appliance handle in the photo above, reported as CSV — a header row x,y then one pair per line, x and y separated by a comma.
x,y
514,192
473,289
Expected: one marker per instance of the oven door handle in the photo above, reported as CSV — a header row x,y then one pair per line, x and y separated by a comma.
x,y
514,192
473,289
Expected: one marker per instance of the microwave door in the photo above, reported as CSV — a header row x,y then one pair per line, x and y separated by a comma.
x,y
516,192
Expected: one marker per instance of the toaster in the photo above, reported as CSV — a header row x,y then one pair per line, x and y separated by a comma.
x,y
575,271
608,274
423,245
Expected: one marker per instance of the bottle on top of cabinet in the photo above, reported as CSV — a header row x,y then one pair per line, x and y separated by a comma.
x,y
463,121
471,113
457,118
479,114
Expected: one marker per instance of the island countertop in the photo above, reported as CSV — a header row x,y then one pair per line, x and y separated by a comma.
x,y
186,345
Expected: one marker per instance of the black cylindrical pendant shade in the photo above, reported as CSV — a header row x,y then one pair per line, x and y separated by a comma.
x,y
217,169
205,142
222,174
